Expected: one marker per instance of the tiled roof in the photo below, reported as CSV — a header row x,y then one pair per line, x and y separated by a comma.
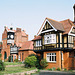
x,y
56,24
67,24
28,45
22,32
37,38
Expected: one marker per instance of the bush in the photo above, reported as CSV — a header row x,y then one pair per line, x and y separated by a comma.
x,y
16,60
2,67
43,63
0,55
58,69
9,59
53,69
30,61
37,62
50,69
65,69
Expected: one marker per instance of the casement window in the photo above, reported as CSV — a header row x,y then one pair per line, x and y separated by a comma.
x,y
51,57
19,57
14,57
50,39
62,56
38,43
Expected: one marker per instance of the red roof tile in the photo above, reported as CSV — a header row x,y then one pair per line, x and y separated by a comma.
x,y
56,24
67,24
37,38
28,45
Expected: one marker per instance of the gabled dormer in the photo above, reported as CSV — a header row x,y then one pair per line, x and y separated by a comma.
x,y
51,34
50,25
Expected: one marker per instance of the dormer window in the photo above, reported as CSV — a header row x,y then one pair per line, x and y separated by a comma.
x,y
50,39
38,43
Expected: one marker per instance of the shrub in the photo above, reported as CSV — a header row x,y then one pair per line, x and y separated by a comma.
x,y
31,55
30,61
50,69
37,62
2,67
65,69
9,59
43,63
0,55
58,69
16,60
53,69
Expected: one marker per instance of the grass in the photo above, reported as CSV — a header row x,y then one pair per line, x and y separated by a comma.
x,y
13,63
9,70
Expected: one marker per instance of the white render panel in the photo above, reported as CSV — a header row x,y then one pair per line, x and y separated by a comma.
x,y
10,41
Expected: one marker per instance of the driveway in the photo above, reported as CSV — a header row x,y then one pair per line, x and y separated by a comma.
x,y
44,72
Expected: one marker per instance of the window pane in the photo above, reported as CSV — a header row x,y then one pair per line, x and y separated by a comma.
x,y
48,53
55,58
50,58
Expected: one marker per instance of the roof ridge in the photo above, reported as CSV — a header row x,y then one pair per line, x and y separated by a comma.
x,y
53,20
64,20
71,22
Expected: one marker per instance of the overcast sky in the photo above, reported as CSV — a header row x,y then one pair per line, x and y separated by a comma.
x,y
30,14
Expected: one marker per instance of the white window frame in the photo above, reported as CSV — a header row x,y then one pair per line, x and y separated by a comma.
x,y
38,43
14,57
19,57
48,57
51,39
62,56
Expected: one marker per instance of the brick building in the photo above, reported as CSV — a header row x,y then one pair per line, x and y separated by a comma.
x,y
12,41
55,42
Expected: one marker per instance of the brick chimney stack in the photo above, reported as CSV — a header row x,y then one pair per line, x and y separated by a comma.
x,y
74,12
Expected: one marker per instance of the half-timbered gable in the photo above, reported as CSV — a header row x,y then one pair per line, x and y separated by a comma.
x,y
57,43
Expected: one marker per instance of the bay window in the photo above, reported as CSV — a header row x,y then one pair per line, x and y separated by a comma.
x,y
51,57
50,39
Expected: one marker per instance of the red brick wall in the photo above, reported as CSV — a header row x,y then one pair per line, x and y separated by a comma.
x,y
18,39
56,64
25,54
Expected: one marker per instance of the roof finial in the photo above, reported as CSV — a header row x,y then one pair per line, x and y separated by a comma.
x,y
11,27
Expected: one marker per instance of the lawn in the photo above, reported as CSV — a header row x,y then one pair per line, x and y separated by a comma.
x,y
9,70
13,63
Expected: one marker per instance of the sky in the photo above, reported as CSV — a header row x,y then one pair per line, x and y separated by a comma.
x,y
30,14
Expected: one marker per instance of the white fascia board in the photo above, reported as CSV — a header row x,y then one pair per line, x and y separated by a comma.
x,y
70,32
47,30
51,25
44,25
